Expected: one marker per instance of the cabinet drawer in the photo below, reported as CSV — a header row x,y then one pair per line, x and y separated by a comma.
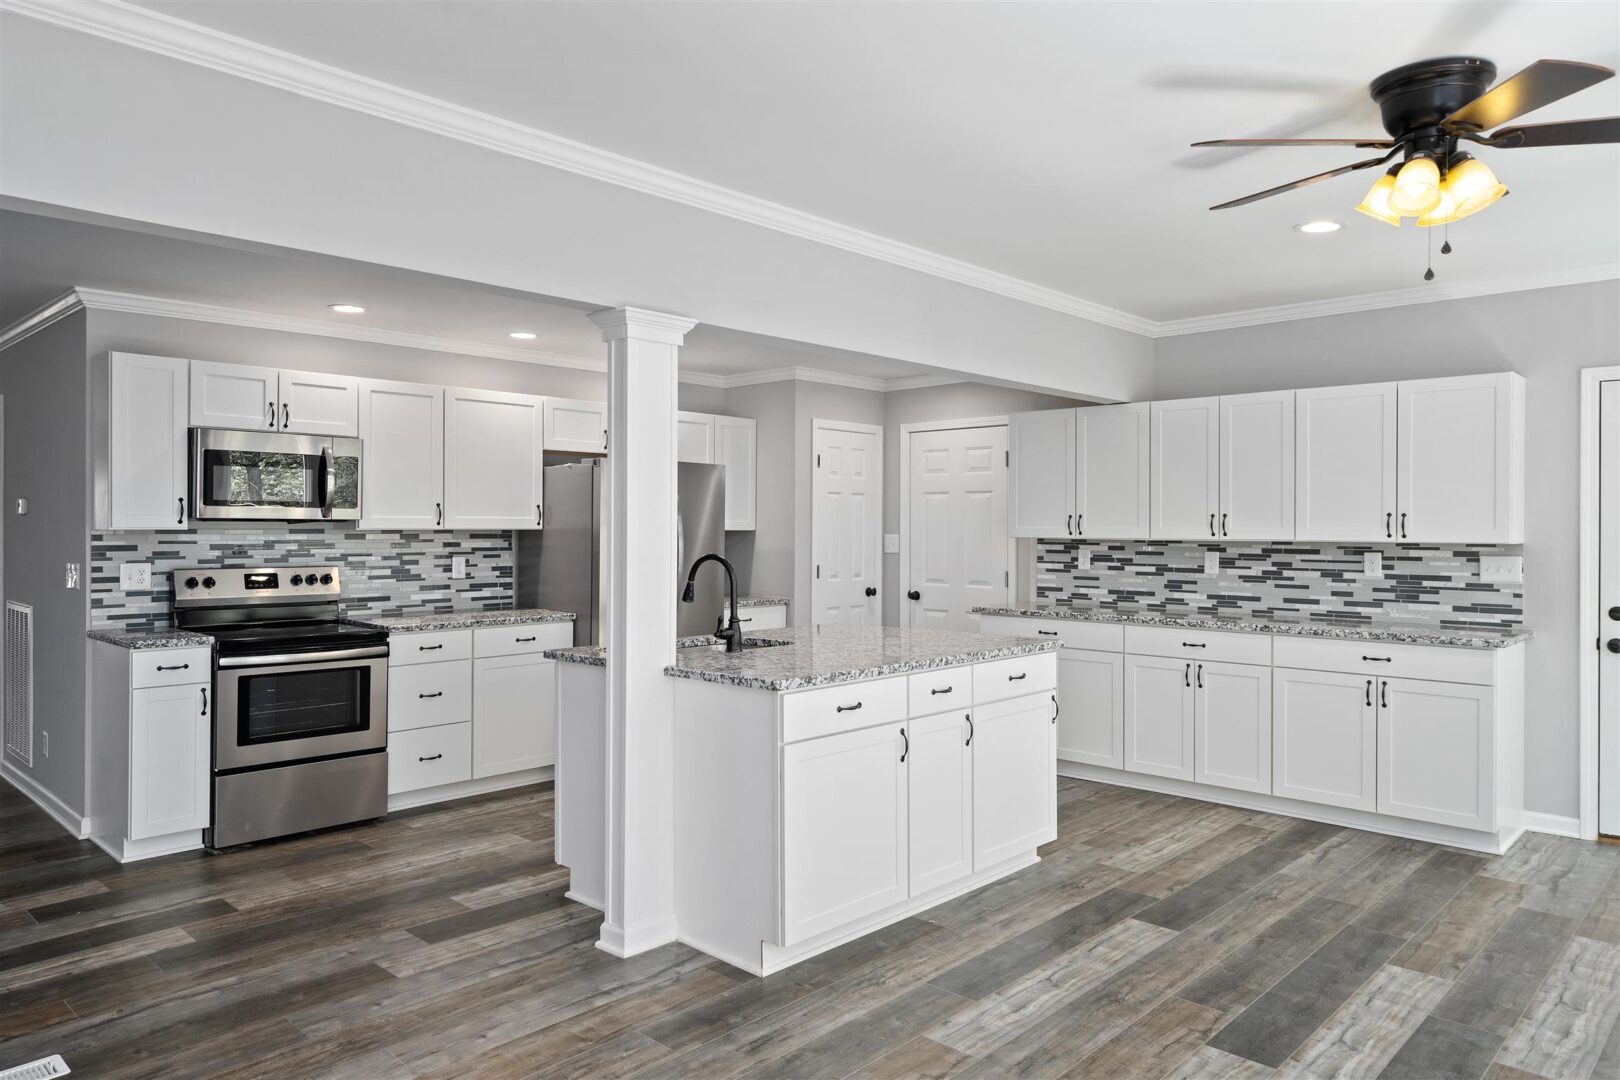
x,y
429,695
1099,637
428,757
1377,658
1221,646
940,690
528,638
846,707
429,647
1014,677
169,667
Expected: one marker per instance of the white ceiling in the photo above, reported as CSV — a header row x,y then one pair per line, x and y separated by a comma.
x,y
1044,141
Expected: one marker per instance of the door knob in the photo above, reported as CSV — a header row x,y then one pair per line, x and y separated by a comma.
x,y
1614,614
1614,644
913,595
871,591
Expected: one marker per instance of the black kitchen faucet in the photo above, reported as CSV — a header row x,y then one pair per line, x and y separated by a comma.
x,y
731,633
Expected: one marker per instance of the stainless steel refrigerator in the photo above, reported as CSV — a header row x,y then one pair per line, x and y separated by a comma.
x,y
563,566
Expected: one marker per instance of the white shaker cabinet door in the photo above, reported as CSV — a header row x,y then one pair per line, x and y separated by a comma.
x,y
402,455
235,396
1185,475
1461,460
734,448
940,792
1091,704
1113,445
1344,463
170,742
1257,466
514,714
1014,778
576,427
694,438
316,404
1324,738
146,444
1232,738
1436,752
1041,488
844,825
1159,716
492,460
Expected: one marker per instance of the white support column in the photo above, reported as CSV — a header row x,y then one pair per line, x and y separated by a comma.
x,y
643,354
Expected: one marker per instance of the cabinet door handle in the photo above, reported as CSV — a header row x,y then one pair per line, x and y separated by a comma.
x,y
428,648
905,744
849,708
941,690
180,518
1194,645
539,515
1055,709
1186,676
1079,524
1047,633
1223,524
270,421
969,718
1020,676
286,415
604,440
1383,694
172,667
520,640
1379,659
438,513
1212,524
205,701
1403,524
436,693
1389,529
435,757
1369,692
1069,526
1199,678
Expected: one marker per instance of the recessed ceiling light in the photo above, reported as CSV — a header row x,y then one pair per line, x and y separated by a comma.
x,y
346,309
1318,227
521,335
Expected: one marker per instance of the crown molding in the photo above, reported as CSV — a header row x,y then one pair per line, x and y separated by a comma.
x,y
822,376
152,31
1346,305
40,318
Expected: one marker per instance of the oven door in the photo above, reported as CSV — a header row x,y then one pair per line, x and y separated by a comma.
x,y
275,709
273,476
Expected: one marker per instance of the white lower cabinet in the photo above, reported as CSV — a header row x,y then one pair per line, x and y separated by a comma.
x,y
429,757
1091,699
940,799
1014,763
1232,725
514,713
1436,752
1324,738
170,740
1159,706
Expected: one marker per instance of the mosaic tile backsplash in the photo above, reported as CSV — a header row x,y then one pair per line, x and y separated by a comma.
x,y
383,573
1423,584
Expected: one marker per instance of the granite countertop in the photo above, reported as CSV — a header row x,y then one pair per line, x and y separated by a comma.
x,y
459,620
761,601
810,656
150,639
1304,626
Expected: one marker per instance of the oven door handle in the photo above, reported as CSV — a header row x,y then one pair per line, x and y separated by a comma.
x,y
370,652
328,488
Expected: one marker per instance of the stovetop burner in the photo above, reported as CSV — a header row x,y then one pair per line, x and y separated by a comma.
x,y
268,610
294,637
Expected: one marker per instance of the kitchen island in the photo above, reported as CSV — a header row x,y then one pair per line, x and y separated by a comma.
x,y
828,780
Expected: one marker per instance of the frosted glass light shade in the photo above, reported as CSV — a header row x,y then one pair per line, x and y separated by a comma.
x,y
1417,188
1376,202
1473,186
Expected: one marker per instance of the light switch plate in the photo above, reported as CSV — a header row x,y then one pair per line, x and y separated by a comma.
x,y
1212,562
458,566
1082,559
891,543
1372,564
135,576
1508,568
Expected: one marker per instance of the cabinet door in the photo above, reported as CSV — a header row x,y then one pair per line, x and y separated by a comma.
x,y
514,714
576,427
1112,499
694,437
1091,704
940,793
146,441
1460,460
1232,737
1324,738
1159,714
169,741
1436,752
317,404
234,396
734,448
1257,466
1041,485
402,455
1344,463
844,829
1014,778
1185,473
492,460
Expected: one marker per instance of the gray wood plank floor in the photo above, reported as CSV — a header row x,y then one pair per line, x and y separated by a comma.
x,y
1158,937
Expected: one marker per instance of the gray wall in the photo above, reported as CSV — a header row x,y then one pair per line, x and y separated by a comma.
x,y
45,378
1547,336
764,557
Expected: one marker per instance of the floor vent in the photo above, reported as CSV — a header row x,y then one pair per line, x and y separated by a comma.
x,y
43,1069
19,689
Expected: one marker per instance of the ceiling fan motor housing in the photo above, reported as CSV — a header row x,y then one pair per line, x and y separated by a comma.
x,y
1414,98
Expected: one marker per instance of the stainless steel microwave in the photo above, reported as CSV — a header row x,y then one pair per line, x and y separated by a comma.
x,y
273,476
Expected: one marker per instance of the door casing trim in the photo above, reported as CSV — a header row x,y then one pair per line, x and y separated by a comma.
x,y
1590,629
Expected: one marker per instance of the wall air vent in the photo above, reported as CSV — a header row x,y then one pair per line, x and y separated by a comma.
x,y
20,681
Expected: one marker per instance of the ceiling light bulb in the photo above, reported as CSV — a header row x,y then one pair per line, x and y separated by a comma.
x,y
1376,203
521,335
1445,211
346,309
1417,188
1472,185
1314,227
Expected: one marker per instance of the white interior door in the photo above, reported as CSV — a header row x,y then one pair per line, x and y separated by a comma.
x,y
1608,585
846,523
956,532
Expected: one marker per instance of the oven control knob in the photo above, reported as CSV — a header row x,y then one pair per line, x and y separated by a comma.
x,y
191,583
297,579
209,583
326,579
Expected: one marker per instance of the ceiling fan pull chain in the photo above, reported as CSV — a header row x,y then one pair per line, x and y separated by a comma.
x,y
1445,248
1428,275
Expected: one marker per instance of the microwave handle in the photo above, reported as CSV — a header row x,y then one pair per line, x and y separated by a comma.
x,y
328,489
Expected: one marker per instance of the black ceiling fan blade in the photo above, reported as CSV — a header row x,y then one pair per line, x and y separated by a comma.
x,y
1542,83
1604,129
1340,171
1368,144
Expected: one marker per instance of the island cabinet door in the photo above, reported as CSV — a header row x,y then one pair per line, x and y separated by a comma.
x,y
1014,778
844,828
1091,700
1436,752
1159,716
1324,737
940,789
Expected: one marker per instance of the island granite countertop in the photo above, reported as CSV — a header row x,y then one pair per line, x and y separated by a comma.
x,y
1344,629
807,656
461,620
150,639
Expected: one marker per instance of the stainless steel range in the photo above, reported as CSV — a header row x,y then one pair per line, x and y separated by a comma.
x,y
300,701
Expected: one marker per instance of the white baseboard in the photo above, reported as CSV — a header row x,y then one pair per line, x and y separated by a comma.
x,y
63,814
466,788
1552,824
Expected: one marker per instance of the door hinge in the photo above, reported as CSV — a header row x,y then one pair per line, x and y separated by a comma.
x,y
818,461
818,571
1006,458
1006,577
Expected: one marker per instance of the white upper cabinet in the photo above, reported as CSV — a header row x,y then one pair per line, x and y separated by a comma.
x,y
1344,463
235,396
146,442
1257,466
1460,460
576,427
402,432
492,460
1042,492
1112,442
1185,475
734,448
694,438
310,403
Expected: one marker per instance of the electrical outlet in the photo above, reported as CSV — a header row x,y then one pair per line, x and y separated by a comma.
x,y
70,578
134,576
1212,562
891,543
458,566
1508,568
1372,564
1082,559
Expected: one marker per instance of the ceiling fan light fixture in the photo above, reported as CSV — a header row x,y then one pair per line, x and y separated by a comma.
x,y
1376,202
1472,185
1444,213
1417,187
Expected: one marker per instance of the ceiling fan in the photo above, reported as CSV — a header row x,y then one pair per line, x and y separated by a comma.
x,y
1432,106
